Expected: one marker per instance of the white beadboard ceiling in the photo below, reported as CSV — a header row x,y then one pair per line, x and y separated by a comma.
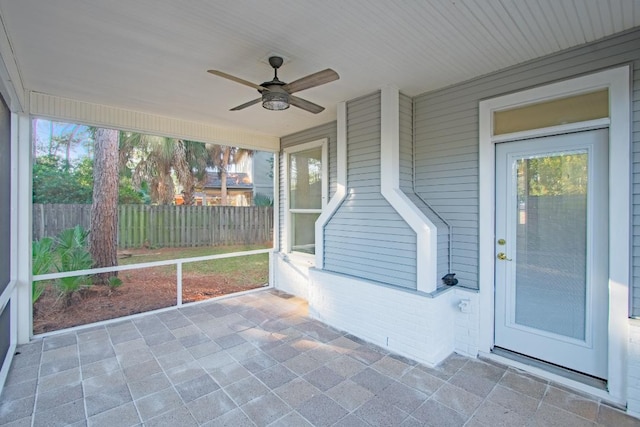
x,y
151,56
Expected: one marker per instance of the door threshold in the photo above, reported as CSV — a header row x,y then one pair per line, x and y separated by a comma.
x,y
569,374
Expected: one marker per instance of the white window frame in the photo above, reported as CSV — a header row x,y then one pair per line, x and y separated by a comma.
x,y
288,222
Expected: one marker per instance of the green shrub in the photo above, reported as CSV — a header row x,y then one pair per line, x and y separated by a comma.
x,y
262,200
72,254
70,239
42,263
67,252
114,282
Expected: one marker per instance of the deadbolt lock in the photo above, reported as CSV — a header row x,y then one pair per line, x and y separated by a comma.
x,y
502,242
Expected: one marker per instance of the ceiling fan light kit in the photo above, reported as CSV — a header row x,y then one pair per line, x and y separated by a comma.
x,y
275,101
276,94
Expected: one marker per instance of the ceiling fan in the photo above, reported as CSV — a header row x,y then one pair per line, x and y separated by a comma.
x,y
277,95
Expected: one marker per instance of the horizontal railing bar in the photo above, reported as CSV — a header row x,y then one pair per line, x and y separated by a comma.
x,y
6,294
51,276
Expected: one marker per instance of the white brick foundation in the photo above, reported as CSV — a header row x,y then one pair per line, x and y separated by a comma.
x,y
417,326
291,275
633,368
467,322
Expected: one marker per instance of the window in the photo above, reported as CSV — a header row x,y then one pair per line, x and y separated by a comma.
x,y
560,111
306,193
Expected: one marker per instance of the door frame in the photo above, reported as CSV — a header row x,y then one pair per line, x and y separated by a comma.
x,y
617,81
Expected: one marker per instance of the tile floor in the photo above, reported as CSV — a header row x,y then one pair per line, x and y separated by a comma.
x,y
257,359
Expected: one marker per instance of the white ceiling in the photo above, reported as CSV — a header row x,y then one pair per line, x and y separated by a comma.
x,y
152,55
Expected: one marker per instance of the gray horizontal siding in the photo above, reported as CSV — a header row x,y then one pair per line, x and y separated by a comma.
x,y
406,184
283,200
442,234
446,138
635,261
365,245
366,237
329,131
406,144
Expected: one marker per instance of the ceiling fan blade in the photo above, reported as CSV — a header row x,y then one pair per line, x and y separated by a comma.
x,y
312,80
246,104
305,105
236,79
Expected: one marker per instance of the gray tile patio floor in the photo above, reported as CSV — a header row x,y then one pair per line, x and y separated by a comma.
x,y
257,359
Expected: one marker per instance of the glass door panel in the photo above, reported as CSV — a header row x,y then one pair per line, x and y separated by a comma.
x,y
551,243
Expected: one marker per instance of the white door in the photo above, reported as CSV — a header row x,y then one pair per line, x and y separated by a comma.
x,y
552,249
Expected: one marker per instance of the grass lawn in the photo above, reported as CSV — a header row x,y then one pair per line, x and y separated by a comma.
x,y
247,266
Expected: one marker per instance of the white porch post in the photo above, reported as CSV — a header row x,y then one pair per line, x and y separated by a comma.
x,y
23,221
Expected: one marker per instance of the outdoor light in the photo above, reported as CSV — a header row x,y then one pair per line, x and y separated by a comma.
x,y
275,100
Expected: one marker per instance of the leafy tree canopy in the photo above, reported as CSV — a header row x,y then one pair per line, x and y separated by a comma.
x,y
57,181
554,175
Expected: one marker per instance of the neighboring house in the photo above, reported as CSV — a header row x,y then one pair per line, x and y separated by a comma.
x,y
254,176
376,206
239,190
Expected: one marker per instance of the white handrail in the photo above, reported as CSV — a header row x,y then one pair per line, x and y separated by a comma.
x,y
177,262
50,276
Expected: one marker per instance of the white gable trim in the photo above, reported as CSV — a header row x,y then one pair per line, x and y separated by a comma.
x,y
617,80
341,184
59,108
11,86
426,231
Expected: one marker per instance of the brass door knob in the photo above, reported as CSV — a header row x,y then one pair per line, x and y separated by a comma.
x,y
503,257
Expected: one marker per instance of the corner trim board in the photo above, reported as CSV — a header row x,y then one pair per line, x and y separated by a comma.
x,y
341,184
426,231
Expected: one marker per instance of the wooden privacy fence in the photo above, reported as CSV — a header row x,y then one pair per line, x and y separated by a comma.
x,y
165,226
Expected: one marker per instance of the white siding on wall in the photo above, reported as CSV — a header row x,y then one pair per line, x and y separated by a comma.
x,y
446,137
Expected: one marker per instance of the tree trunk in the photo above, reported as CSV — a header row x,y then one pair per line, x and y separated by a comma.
x,y
184,173
223,175
104,210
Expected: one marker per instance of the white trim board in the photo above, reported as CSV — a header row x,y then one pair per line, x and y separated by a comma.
x,y
11,85
65,109
21,130
617,80
341,184
426,231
